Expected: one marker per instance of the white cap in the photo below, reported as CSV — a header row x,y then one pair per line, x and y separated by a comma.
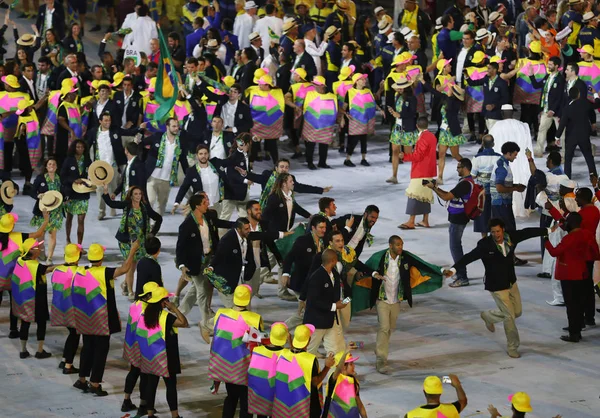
x,y
482,34
507,107
250,5
438,23
464,28
406,32
253,36
378,9
568,183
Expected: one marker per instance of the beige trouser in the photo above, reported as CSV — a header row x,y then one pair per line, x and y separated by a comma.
x,y
199,292
545,124
297,318
256,280
158,191
112,186
332,338
489,123
226,300
509,308
230,206
387,314
345,314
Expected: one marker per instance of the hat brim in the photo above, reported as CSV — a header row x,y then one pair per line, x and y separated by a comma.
x,y
83,188
25,43
384,30
4,80
97,167
7,186
55,205
398,86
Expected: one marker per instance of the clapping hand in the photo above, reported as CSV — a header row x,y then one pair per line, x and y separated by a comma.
x,y
330,361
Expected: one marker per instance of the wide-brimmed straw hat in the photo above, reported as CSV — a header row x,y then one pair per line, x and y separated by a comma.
x,y
100,173
85,187
26,39
50,200
8,191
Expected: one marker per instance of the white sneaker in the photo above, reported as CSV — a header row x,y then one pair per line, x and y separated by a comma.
x,y
555,303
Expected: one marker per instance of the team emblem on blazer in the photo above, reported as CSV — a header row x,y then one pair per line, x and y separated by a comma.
x,y
326,285
118,102
193,235
134,104
133,172
194,180
43,184
496,89
309,250
281,205
242,164
554,85
406,266
229,144
73,168
156,145
235,251
240,116
115,136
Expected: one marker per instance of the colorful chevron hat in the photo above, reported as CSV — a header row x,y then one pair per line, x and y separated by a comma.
x,y
28,245
349,358
346,72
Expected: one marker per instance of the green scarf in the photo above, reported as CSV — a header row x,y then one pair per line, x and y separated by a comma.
x,y
507,241
368,234
267,190
221,186
386,263
320,244
161,157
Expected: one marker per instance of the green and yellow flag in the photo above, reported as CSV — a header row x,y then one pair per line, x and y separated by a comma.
x,y
166,81
284,245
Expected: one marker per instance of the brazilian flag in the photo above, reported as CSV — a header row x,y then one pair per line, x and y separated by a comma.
x,y
166,81
284,245
424,278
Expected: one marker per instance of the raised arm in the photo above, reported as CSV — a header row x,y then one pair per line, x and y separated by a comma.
x,y
115,204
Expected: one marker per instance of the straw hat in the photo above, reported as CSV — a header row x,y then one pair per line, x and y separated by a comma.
x,y
482,34
384,25
22,105
50,200
342,4
521,401
438,23
402,83
588,16
72,253
331,31
378,9
494,16
406,32
318,80
507,106
254,36
288,26
26,40
433,385
358,76
279,334
11,80
100,173
85,187
302,335
574,2
29,244
96,252
7,222
242,295
458,92
346,72
250,5
8,191
212,44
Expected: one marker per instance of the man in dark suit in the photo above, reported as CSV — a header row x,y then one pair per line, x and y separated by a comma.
x,y
256,44
196,244
495,94
323,300
551,103
248,60
236,187
70,70
576,124
58,18
304,60
27,82
236,114
572,80
134,173
357,228
148,268
127,101
349,56
104,104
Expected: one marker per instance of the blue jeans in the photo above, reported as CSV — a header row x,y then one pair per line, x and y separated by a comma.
x,y
456,249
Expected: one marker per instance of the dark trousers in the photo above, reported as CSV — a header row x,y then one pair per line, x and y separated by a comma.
x,y
589,303
480,122
353,141
14,321
343,132
545,222
131,380
310,152
152,386
41,330
93,357
505,213
235,394
24,162
71,345
586,149
271,148
254,151
529,115
574,295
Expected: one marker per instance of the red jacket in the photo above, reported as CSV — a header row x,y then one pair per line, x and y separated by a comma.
x,y
424,164
573,253
590,217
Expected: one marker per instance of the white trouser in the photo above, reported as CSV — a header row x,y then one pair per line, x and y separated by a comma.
x,y
158,192
549,263
545,124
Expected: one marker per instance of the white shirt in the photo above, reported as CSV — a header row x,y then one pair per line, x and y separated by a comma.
x,y
100,107
460,63
143,30
262,27
205,236
256,245
42,84
228,115
126,180
164,173
31,87
290,207
126,99
48,19
244,248
392,281
242,28
217,148
105,149
315,52
333,306
358,235
128,24
210,184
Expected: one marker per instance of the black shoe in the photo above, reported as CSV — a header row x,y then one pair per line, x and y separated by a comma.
x,y
597,310
110,29
72,370
323,166
24,354
97,390
128,406
365,163
473,138
296,155
544,275
311,166
142,411
571,338
349,163
61,365
42,355
27,189
83,386
590,322
342,150
567,328
520,261
13,334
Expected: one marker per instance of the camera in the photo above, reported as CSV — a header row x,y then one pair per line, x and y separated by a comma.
x,y
425,182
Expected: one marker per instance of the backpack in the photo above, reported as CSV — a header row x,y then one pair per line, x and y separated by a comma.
x,y
476,202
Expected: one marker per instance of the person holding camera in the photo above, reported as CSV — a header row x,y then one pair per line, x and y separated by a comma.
x,y
433,389
457,197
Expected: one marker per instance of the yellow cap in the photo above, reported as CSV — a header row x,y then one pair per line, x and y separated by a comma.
x,y
258,74
152,85
28,244
242,295
156,292
349,358
433,385
72,253
588,49
536,47
228,81
300,72
12,81
96,252
302,335
346,72
266,79
358,76
442,63
478,57
319,80
7,222
279,334
118,79
521,401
